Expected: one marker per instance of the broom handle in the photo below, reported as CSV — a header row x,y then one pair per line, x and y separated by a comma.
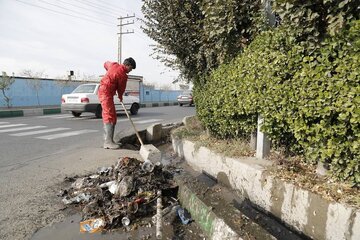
x,y
137,134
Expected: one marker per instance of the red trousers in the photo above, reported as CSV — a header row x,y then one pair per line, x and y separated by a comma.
x,y
108,107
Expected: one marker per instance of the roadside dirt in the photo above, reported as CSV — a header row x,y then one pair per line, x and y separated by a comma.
x,y
113,207
28,199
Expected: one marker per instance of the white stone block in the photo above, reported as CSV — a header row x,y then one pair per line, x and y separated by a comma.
x,y
151,153
263,143
153,133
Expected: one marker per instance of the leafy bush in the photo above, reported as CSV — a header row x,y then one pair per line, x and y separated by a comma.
x,y
327,91
317,18
221,104
309,96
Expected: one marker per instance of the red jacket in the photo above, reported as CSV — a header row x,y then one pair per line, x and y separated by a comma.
x,y
114,80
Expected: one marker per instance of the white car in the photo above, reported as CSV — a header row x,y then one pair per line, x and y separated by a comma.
x,y
185,98
85,99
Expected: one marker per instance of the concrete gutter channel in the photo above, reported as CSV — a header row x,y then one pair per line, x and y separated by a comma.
x,y
283,209
223,215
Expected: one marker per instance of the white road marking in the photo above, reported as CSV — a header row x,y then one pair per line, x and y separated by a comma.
x,y
123,120
66,134
20,129
12,125
148,121
56,116
38,132
61,116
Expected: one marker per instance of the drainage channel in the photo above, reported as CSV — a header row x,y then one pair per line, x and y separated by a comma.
x,y
220,211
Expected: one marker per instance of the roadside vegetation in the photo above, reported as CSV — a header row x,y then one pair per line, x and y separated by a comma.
x,y
295,63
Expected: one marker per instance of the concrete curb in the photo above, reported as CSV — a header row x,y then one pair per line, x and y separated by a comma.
x,y
298,208
159,104
11,113
29,112
213,226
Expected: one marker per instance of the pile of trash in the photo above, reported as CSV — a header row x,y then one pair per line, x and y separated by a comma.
x,y
121,195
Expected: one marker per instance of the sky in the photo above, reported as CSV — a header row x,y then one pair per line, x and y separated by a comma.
x,y
56,36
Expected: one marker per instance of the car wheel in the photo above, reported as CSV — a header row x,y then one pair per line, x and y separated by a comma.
x,y
180,104
98,112
134,109
76,114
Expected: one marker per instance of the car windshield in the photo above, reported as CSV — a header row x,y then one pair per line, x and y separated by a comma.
x,y
186,93
85,89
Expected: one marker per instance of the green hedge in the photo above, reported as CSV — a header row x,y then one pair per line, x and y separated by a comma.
x,y
308,96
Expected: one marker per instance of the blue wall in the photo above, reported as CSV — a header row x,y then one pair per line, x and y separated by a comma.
x,y
152,95
23,92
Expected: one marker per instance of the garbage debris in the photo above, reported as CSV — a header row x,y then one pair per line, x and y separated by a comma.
x,y
92,225
184,215
159,216
125,221
121,196
147,166
82,197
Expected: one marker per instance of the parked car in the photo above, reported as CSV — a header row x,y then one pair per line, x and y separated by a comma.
x,y
85,99
185,98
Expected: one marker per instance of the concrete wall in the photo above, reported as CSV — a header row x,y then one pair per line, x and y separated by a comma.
x,y
153,95
24,92
27,92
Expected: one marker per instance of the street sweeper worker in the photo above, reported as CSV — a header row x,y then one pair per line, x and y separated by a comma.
x,y
114,81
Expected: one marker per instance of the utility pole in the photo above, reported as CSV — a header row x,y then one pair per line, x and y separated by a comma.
x,y
121,24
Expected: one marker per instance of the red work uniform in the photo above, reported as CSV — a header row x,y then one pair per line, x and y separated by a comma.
x,y
114,81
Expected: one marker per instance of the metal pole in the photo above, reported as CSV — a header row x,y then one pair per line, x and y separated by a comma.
x,y
159,216
119,41
121,24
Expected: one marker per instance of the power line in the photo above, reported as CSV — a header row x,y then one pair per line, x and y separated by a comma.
x,y
87,3
137,23
51,10
88,9
137,20
106,3
140,31
69,10
96,8
139,36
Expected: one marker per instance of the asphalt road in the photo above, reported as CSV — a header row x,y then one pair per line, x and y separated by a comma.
x,y
26,139
33,164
